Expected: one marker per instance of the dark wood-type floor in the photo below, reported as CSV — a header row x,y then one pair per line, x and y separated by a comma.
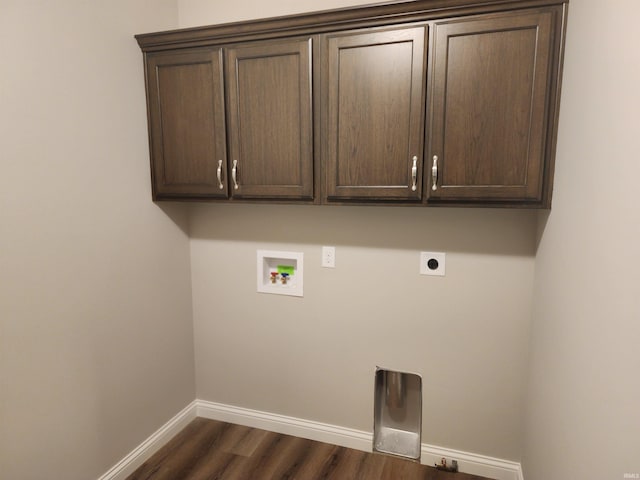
x,y
207,449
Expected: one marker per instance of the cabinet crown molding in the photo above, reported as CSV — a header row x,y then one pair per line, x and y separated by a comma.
x,y
387,13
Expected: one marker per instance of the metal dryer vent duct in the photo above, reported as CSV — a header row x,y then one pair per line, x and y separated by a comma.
x,y
397,418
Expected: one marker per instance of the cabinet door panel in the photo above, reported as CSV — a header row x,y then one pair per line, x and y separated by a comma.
x,y
373,118
187,129
490,81
270,119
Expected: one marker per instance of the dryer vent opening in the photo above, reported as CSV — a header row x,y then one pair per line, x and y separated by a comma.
x,y
397,417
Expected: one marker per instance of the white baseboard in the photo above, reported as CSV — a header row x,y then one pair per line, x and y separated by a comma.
x,y
321,432
151,445
472,463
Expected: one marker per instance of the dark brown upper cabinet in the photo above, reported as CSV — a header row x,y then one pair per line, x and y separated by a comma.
x,y
373,104
492,88
269,113
186,123
421,102
270,119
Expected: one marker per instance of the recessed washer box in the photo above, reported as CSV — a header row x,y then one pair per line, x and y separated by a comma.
x,y
280,273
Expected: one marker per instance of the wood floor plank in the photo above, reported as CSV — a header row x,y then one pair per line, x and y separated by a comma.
x,y
349,464
317,457
241,440
211,450
182,452
372,467
399,469
329,466
300,452
276,461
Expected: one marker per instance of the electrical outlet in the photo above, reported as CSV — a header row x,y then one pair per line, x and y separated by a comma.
x,y
329,257
432,263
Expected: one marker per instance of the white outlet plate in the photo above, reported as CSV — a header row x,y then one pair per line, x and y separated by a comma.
x,y
432,263
329,257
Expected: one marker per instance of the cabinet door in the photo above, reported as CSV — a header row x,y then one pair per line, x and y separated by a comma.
x,y
490,86
270,120
186,120
373,87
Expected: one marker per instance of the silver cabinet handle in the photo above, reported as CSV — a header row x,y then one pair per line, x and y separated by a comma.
x,y
414,174
219,175
434,173
234,173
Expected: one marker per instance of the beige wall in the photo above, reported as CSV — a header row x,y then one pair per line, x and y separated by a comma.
x,y
314,357
583,419
96,344
207,12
